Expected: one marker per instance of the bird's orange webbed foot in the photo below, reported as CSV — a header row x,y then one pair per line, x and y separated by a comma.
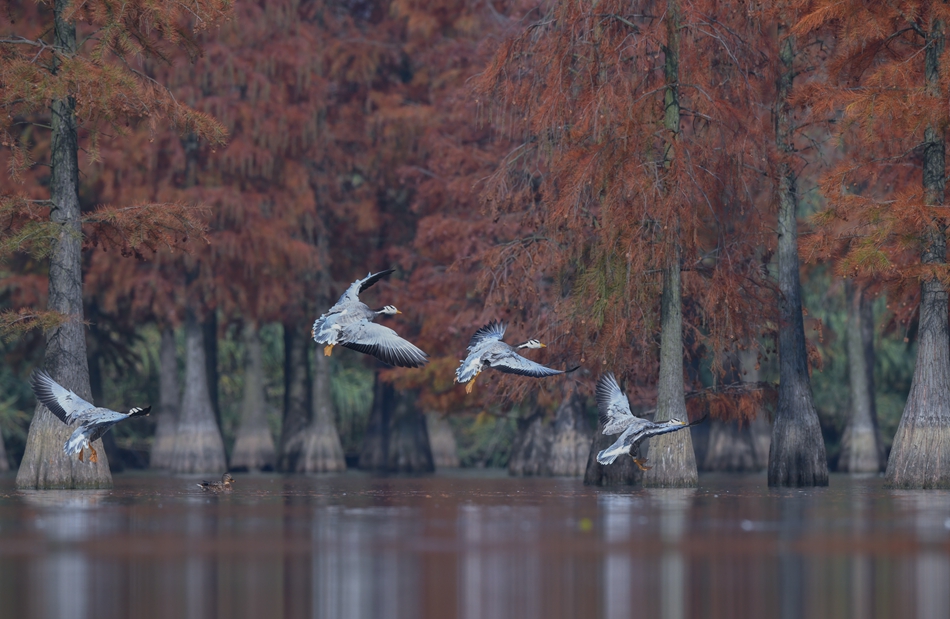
x,y
95,456
471,384
328,350
641,464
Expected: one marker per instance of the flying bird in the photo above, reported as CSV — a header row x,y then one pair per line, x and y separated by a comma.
x,y
218,486
94,421
350,323
487,350
616,417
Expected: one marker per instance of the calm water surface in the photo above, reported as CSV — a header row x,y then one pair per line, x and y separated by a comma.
x,y
475,547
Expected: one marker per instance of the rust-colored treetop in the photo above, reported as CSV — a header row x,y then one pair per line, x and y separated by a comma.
x,y
109,73
601,193
879,82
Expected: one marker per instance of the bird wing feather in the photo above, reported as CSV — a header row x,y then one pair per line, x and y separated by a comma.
x,y
62,402
511,362
352,294
614,406
384,344
495,330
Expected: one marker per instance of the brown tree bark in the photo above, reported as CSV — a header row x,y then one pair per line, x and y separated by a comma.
x,y
622,472
920,454
797,455
861,450
445,453
322,451
570,438
296,401
44,464
169,395
254,445
198,444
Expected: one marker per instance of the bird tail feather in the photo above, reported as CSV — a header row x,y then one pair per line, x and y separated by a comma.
x,y
75,443
607,456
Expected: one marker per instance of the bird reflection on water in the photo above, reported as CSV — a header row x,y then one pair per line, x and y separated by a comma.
x,y
464,546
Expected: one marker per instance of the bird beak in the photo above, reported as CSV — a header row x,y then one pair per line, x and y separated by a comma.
x,y
398,312
543,345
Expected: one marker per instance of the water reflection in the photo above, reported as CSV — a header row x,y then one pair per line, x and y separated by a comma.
x,y
355,546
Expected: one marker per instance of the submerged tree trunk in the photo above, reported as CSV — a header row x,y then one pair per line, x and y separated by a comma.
x,y
322,451
296,400
673,460
254,445
442,441
860,444
209,331
920,454
531,448
570,438
374,453
797,455
198,444
44,464
166,422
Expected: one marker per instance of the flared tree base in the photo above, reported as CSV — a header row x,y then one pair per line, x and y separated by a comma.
x,y
672,461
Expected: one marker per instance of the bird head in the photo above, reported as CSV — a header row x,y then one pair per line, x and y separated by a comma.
x,y
678,422
389,310
532,344
226,479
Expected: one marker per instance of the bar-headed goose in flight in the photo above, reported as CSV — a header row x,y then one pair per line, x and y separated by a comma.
x,y
93,421
616,417
487,350
350,323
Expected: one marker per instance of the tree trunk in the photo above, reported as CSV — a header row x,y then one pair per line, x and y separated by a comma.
x,y
322,451
671,455
168,399
409,450
797,455
445,452
116,461
296,404
531,447
396,438
622,472
4,463
374,454
198,444
920,454
570,439
209,331
44,464
735,447
673,459
254,445
860,444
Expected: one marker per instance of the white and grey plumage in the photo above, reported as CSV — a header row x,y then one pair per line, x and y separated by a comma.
x,y
616,417
350,323
93,421
487,350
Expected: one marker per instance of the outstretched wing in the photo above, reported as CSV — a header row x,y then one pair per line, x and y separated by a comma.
x,y
384,344
613,405
495,330
352,294
513,363
62,402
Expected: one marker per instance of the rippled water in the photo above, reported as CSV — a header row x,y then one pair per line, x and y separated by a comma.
x,y
470,546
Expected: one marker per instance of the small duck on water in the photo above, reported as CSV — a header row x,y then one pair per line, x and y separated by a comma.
x,y
218,486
